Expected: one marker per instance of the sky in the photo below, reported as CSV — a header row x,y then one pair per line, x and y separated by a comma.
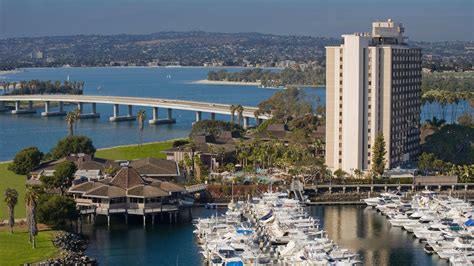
x,y
424,20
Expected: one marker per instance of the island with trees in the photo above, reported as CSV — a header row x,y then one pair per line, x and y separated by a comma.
x,y
310,77
26,87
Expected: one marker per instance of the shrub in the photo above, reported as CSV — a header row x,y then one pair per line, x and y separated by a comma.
x,y
26,160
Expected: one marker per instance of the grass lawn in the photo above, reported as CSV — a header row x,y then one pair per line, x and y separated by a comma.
x,y
136,152
11,180
16,250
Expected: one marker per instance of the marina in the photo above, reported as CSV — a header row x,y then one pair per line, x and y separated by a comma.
x,y
266,231
445,224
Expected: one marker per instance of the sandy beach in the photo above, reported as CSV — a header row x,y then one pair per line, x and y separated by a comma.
x,y
220,82
5,72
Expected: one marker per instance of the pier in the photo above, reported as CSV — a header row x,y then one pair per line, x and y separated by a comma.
x,y
358,188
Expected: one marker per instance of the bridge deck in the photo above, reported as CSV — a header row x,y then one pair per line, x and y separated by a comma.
x,y
217,108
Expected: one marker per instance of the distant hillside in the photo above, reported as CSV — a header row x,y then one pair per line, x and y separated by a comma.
x,y
198,48
194,48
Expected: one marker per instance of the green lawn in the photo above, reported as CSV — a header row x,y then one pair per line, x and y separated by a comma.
x,y
11,180
15,249
136,152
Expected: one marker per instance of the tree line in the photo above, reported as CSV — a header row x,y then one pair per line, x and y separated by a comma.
x,y
35,86
288,76
444,98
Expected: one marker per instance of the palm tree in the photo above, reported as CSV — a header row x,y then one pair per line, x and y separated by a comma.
x,y
193,147
340,173
141,115
240,111
70,119
11,199
212,152
77,116
318,145
435,123
14,85
358,173
31,200
232,114
6,85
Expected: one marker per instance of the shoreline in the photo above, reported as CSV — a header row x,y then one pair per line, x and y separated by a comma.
x,y
222,82
10,72
19,70
257,84
131,145
118,146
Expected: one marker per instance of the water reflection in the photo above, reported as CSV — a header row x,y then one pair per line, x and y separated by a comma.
x,y
367,232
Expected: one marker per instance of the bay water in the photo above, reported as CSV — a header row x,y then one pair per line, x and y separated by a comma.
x,y
359,228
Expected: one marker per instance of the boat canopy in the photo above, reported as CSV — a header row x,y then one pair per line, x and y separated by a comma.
x,y
469,222
267,216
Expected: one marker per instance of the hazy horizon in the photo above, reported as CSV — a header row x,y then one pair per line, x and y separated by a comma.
x,y
424,20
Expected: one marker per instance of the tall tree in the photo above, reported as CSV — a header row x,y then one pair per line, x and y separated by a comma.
x,y
11,199
56,210
31,201
240,111
62,177
77,116
290,105
70,119
378,155
232,114
26,160
70,145
141,115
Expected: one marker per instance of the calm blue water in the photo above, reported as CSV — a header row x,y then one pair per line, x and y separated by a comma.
x,y
18,132
358,228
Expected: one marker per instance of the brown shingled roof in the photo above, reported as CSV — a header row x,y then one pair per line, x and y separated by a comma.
x,y
106,191
168,186
145,191
126,178
83,187
155,167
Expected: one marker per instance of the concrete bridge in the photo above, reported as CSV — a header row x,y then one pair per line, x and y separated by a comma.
x,y
166,104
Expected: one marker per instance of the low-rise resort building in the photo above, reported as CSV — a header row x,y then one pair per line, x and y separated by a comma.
x,y
145,187
128,193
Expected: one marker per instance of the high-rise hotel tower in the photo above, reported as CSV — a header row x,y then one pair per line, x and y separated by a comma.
x,y
373,84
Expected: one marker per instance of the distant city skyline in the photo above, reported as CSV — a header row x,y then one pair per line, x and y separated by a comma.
x,y
427,20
